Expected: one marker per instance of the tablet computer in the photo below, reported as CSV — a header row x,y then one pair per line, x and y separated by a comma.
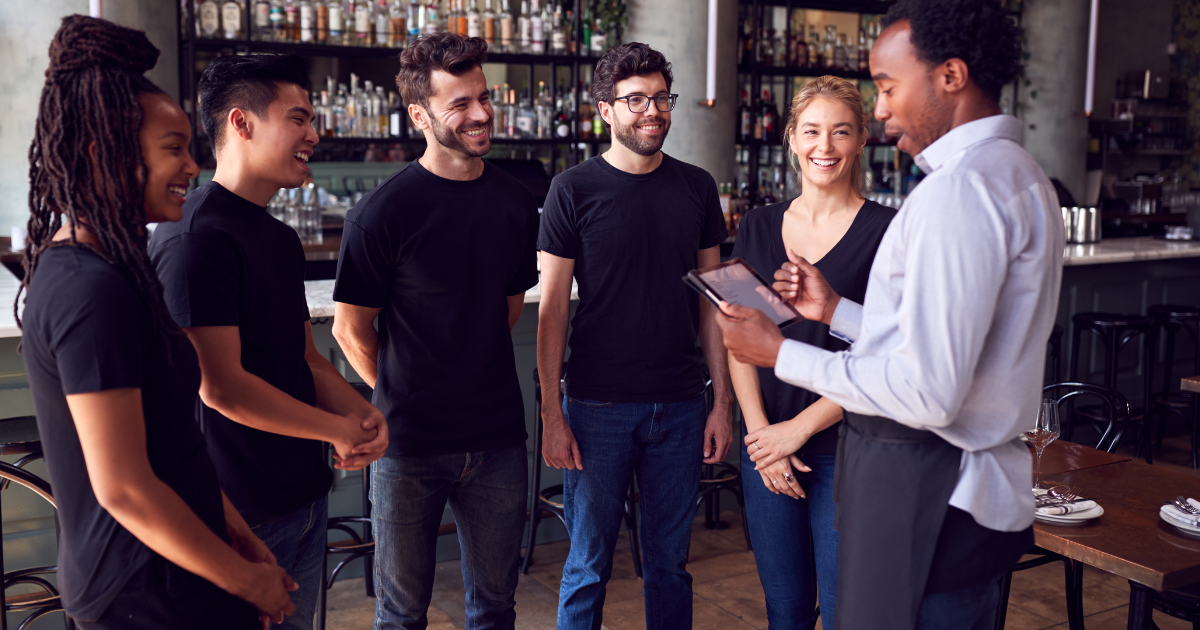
x,y
736,282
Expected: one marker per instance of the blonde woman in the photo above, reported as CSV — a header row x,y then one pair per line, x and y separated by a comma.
x,y
788,462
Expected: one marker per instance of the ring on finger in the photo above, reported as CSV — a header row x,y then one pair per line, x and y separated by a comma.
x,y
789,478
756,446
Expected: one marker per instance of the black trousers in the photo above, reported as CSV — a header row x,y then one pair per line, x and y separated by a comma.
x,y
162,595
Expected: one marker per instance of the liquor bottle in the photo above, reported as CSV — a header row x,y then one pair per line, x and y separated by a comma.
x,y
524,28
758,119
382,113
489,24
322,12
231,18
558,32
337,22
599,132
497,112
510,112
262,20
318,119
362,23
308,21
542,111
585,40
395,116
341,123
599,39
398,17
814,49
562,121
828,46
770,117
291,13
864,52
278,24
586,113
474,20
328,118
526,118
416,19
801,55
382,19
433,19
537,30
353,113
461,19
780,50
506,28
569,30
208,16
746,126
840,59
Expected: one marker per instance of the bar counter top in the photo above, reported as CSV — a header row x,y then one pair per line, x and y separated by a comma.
x,y
320,297
1118,250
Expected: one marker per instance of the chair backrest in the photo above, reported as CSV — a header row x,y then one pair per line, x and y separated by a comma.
x,y
1116,406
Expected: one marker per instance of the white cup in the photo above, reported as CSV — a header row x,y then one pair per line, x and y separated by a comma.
x,y
18,238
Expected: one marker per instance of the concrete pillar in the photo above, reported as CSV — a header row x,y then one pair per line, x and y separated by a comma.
x,y
679,29
26,29
1055,128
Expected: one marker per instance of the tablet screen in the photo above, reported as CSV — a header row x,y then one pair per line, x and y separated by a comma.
x,y
737,283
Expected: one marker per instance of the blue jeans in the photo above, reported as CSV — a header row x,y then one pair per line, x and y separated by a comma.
x,y
663,443
298,542
971,608
487,492
795,544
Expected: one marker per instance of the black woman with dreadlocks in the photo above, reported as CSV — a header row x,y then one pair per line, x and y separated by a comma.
x,y
147,538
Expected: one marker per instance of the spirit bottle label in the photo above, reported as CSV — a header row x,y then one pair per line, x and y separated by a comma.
x,y
231,19
307,23
210,19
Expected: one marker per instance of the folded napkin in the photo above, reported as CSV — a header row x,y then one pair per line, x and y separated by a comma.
x,y
1068,508
1179,515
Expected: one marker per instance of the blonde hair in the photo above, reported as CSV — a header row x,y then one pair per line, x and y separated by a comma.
x,y
834,89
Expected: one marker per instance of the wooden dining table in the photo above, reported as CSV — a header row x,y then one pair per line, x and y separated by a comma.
x,y
1129,539
1191,384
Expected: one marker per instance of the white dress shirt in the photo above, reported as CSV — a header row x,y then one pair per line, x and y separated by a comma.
x,y
962,295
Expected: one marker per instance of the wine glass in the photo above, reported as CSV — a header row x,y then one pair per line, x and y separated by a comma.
x,y
1044,432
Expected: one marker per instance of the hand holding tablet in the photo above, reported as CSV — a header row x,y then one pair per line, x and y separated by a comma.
x,y
736,282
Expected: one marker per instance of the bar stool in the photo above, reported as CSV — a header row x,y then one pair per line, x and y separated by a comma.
x,y
1114,330
19,436
542,501
1171,319
719,477
1054,355
355,545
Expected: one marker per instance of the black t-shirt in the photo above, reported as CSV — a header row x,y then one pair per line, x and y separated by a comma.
x,y
229,263
847,267
441,257
86,330
633,238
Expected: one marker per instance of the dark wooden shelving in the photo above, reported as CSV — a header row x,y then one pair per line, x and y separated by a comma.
x,y
362,52
495,140
844,6
793,71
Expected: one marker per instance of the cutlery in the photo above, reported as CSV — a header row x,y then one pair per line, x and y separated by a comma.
x,y
1181,502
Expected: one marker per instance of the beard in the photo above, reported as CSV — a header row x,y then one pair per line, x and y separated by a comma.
x,y
452,139
628,136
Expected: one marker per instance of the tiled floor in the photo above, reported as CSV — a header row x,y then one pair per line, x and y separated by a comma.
x,y
727,591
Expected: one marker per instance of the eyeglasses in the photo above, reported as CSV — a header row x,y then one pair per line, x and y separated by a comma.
x,y
638,103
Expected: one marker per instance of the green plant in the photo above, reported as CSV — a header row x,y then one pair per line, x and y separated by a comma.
x,y
613,19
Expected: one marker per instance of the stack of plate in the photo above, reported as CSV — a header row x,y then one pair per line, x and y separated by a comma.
x,y
1075,518
1185,525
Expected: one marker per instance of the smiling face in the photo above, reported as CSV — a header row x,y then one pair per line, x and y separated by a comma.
x,y
642,133
459,112
281,144
826,140
909,104
164,136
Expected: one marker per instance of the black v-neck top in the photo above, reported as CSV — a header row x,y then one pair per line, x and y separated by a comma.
x,y
847,267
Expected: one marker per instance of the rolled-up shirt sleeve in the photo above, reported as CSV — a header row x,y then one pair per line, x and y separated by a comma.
x,y
956,263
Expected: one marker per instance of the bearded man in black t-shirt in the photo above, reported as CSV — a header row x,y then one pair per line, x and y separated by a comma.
x,y
442,254
628,225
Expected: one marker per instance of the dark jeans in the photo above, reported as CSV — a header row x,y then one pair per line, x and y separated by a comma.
x,y
971,608
487,492
663,443
298,542
795,544
163,595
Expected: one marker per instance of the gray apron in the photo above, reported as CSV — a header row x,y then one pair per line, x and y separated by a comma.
x,y
892,486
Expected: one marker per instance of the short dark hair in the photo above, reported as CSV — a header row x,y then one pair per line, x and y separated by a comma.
x,y
249,82
443,51
980,32
623,62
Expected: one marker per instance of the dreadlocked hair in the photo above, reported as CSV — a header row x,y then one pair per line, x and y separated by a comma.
x,y
86,162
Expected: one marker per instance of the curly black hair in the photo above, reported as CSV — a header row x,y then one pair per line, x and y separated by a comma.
x,y
980,32
623,62
248,82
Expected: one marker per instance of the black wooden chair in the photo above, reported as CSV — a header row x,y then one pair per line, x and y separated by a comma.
x,y
1170,320
1112,417
354,545
1113,331
1073,575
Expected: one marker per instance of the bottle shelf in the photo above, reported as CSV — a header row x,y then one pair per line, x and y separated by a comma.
x,y
361,52
843,6
495,141
799,71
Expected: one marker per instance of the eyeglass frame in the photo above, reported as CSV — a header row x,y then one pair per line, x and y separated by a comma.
x,y
674,98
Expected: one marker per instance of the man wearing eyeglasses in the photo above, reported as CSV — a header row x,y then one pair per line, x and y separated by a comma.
x,y
627,225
